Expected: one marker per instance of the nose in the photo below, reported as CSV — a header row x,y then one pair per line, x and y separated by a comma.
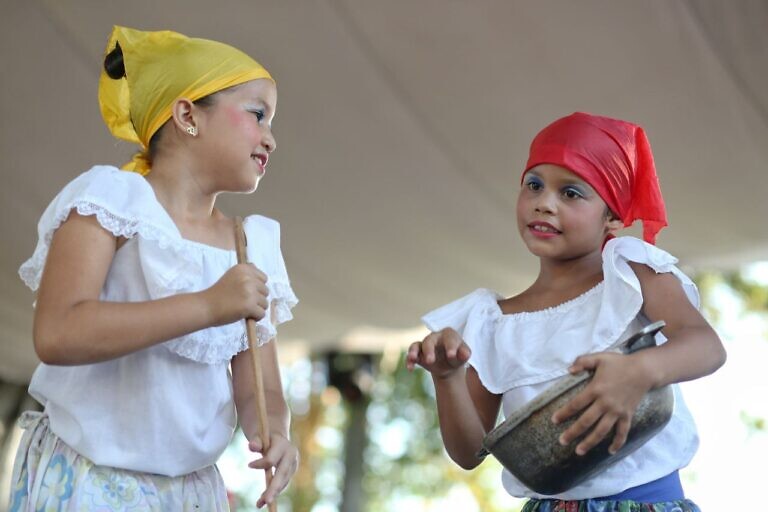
x,y
268,141
546,202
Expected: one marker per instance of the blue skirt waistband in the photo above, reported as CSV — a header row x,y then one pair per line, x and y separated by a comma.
x,y
666,488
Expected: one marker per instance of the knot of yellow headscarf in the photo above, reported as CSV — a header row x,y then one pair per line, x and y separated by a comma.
x,y
161,67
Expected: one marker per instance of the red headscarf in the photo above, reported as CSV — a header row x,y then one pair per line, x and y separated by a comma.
x,y
614,157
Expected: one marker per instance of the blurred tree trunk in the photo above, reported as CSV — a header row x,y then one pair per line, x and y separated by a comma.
x,y
356,440
305,494
353,375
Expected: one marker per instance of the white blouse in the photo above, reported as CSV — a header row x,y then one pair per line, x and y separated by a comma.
x,y
520,355
167,409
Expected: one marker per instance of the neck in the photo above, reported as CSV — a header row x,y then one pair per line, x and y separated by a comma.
x,y
570,274
180,190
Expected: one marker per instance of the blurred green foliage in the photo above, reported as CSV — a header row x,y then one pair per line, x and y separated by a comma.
x,y
404,456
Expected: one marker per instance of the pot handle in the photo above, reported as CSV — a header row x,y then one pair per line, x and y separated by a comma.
x,y
644,338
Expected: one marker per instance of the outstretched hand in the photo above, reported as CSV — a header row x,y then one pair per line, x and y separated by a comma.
x,y
440,353
283,457
608,402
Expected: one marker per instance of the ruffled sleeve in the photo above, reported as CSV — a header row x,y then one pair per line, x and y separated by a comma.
x,y
124,204
529,348
166,264
619,276
472,316
281,296
220,343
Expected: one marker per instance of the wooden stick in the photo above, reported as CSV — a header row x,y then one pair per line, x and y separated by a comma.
x,y
258,376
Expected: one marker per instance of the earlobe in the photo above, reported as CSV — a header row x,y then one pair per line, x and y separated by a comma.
x,y
183,115
613,224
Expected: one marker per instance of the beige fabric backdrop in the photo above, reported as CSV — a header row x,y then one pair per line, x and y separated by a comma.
x,y
402,128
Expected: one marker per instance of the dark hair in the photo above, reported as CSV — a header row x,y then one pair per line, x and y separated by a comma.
x,y
113,63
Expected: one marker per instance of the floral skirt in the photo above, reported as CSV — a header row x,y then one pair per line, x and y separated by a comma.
x,y
608,506
49,476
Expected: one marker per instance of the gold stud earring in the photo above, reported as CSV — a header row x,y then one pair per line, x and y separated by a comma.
x,y
192,130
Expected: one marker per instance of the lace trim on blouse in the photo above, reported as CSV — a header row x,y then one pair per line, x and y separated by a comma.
x,y
556,310
32,269
211,345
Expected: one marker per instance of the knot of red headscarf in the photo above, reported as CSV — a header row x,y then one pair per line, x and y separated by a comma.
x,y
614,157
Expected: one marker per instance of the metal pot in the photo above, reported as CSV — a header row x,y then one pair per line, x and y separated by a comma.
x,y
526,443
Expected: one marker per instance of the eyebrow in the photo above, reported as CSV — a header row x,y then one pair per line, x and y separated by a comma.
x,y
569,180
259,101
533,173
267,107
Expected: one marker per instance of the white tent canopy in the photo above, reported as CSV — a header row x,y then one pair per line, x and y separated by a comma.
x,y
402,128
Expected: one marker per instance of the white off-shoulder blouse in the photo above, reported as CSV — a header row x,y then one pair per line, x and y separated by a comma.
x,y
520,355
167,409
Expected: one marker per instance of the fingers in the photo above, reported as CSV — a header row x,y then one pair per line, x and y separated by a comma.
x,y
581,425
268,460
602,429
260,286
447,347
620,438
284,458
413,356
255,290
255,445
432,349
585,363
576,404
268,495
438,351
463,353
608,401
602,419
255,271
283,472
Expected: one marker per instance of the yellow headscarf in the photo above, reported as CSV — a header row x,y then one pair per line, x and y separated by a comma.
x,y
161,67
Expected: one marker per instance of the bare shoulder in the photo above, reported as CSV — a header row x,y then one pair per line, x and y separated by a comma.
x,y
664,298
82,230
648,277
78,261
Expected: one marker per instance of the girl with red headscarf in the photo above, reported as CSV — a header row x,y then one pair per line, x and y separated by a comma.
x,y
587,177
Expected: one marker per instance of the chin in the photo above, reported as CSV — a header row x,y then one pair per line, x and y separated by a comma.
x,y
249,188
546,251
245,184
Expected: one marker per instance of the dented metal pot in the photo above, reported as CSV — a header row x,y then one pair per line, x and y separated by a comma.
x,y
526,443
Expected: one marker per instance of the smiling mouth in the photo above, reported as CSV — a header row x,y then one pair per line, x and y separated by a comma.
x,y
261,159
544,228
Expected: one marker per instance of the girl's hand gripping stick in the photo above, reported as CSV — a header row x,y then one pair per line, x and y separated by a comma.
x,y
258,377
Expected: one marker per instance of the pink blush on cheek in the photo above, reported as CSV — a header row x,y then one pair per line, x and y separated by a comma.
x,y
241,121
235,115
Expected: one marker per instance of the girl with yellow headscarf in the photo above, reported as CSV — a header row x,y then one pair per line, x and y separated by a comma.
x,y
140,301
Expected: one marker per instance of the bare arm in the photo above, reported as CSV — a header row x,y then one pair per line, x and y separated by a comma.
x,y
244,389
282,455
692,350
466,410
72,326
